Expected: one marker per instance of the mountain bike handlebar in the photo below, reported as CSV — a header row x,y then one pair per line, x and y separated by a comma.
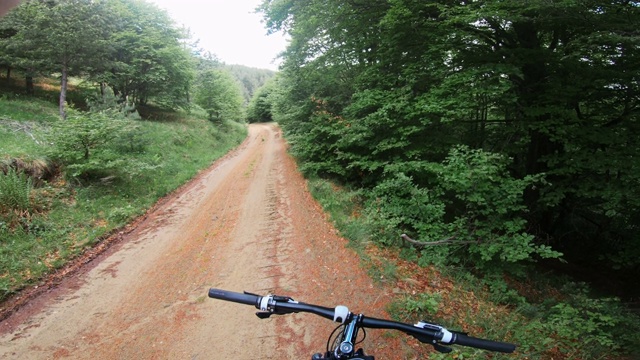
x,y
425,332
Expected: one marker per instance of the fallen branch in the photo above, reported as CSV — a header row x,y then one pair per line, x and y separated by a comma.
x,y
447,241
26,127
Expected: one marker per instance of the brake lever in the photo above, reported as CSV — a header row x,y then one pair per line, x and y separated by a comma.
x,y
263,314
436,345
267,314
441,348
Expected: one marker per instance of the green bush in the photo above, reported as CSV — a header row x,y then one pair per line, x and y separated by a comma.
x,y
471,204
108,101
601,324
424,303
90,145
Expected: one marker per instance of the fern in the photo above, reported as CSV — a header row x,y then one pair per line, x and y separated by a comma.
x,y
15,191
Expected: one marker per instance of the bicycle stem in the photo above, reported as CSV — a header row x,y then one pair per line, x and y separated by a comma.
x,y
350,333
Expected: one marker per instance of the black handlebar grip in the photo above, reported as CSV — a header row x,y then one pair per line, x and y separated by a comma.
x,y
483,344
241,298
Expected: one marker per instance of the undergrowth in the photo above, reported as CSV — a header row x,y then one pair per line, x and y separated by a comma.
x,y
547,319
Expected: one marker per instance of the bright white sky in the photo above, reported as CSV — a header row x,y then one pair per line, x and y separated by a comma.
x,y
228,28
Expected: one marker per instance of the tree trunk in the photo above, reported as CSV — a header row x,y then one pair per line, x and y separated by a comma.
x,y
29,84
8,73
63,93
533,93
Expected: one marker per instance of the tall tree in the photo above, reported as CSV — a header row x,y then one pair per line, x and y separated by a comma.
x,y
259,108
219,94
69,37
563,101
371,88
8,29
153,60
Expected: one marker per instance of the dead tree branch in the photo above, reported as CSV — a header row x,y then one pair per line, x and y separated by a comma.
x,y
15,126
448,241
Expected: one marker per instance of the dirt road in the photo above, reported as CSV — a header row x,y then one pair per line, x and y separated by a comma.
x,y
247,223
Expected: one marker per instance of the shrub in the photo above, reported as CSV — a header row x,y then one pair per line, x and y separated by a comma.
x,y
108,101
601,324
472,204
90,145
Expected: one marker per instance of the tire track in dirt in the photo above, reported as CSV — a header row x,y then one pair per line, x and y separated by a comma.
x,y
247,223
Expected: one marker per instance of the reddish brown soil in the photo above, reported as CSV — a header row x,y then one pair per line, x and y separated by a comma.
x,y
247,223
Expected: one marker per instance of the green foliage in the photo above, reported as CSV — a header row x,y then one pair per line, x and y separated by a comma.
x,y
385,87
251,79
578,326
17,249
345,207
319,160
219,95
119,165
492,205
603,326
69,37
19,108
108,101
499,291
152,60
568,322
397,205
472,203
84,144
600,323
259,108
122,214
131,45
15,191
503,131
70,33
421,305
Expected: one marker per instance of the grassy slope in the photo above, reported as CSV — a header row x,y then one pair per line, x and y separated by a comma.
x,y
70,216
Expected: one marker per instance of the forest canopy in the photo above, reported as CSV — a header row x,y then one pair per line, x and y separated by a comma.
x,y
509,128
